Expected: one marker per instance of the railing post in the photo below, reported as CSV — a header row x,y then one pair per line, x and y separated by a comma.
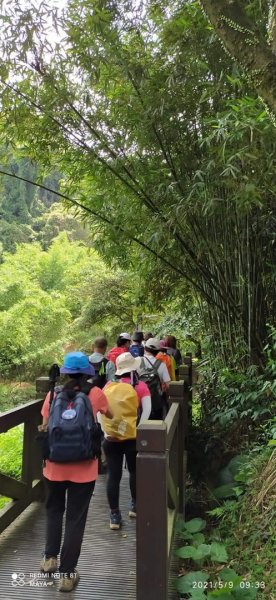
x,y
42,386
177,394
152,512
188,362
31,457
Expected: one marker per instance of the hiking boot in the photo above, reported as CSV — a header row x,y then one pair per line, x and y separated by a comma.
x,y
67,584
115,519
132,511
49,565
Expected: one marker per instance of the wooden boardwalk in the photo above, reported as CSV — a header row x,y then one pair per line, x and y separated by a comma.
x,y
107,561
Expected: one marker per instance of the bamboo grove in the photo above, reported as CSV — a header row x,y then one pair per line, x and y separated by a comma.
x,y
163,142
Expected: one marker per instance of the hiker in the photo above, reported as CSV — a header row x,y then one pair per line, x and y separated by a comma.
x,y
147,336
166,359
104,368
137,348
170,341
127,397
155,374
123,343
70,482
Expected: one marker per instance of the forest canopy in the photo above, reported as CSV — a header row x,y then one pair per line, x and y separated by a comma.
x,y
163,140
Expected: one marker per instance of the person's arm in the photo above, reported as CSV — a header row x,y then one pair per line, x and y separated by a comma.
x,y
99,402
45,412
164,376
110,371
146,408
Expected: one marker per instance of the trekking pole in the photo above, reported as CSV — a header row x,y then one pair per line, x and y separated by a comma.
x,y
54,373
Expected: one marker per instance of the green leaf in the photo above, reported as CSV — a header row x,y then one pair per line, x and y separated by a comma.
x,y
229,575
185,535
195,525
224,491
187,583
197,595
194,553
198,538
218,552
240,593
221,594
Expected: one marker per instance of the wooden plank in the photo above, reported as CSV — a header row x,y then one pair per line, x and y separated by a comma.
x,y
172,491
11,487
106,564
19,415
13,509
171,421
171,520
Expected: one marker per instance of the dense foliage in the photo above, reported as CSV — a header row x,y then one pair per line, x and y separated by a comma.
x,y
162,141
51,299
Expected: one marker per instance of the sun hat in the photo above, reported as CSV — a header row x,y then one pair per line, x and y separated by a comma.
x,y
125,336
163,345
126,363
153,344
76,362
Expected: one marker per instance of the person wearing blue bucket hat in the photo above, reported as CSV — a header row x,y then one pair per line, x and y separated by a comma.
x,y
70,485
76,363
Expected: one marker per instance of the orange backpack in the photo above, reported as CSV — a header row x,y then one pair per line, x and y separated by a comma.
x,y
123,403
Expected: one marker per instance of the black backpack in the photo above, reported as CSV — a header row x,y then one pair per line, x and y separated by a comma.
x,y
100,378
73,434
149,374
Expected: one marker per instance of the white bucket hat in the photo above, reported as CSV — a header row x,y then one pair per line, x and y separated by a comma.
x,y
126,363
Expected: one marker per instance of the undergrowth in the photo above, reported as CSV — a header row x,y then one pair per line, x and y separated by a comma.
x,y
230,555
11,444
15,393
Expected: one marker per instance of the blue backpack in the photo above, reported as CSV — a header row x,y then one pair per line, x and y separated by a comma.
x,y
136,350
73,433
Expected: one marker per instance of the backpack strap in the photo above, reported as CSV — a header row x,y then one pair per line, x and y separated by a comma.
x,y
86,401
60,390
155,366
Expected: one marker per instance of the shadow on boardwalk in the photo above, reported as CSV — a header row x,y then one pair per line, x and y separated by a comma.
x,y
107,561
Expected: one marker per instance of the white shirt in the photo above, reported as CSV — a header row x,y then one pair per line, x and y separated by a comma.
x,y
162,369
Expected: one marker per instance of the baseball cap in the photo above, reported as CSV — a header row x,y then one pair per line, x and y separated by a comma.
x,y
153,344
125,336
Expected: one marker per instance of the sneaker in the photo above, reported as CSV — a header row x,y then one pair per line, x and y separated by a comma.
x,y
67,584
115,519
49,565
132,511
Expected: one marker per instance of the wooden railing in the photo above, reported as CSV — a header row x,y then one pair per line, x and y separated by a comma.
x,y
30,487
161,470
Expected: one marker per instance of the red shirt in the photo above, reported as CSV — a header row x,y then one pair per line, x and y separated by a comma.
x,y
115,352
